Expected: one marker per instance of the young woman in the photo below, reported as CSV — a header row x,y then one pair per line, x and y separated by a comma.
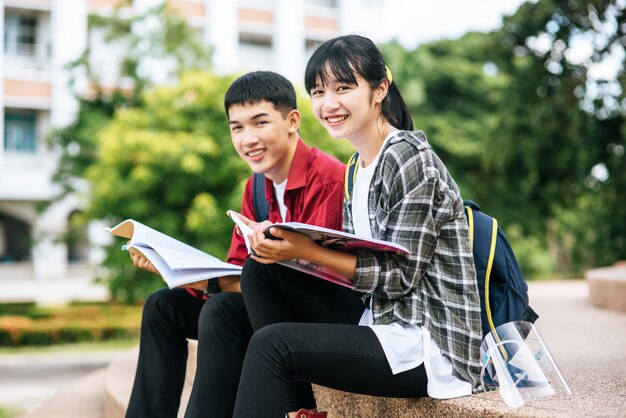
x,y
412,326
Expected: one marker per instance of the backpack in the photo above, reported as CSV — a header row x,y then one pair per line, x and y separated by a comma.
x,y
501,286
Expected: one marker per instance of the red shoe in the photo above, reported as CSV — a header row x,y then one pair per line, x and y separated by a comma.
x,y
305,413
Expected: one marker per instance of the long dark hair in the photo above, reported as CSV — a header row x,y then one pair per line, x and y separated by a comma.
x,y
351,55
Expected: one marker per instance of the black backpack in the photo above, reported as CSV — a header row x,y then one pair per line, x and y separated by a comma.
x,y
503,291
261,207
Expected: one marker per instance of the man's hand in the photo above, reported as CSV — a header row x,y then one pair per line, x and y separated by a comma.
x,y
249,222
140,261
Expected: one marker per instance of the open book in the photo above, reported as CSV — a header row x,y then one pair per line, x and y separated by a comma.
x,y
177,262
326,237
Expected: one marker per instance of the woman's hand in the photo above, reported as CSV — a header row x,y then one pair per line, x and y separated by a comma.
x,y
199,286
285,245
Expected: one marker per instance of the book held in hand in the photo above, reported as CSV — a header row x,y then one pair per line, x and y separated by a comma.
x,y
178,263
326,237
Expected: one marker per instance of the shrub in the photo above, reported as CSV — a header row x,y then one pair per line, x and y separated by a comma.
x,y
70,324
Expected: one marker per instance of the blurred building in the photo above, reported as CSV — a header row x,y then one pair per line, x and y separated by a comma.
x,y
42,36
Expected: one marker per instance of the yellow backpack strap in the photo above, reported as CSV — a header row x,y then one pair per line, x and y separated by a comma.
x,y
470,223
351,169
492,254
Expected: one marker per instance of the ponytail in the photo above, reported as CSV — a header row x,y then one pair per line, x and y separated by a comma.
x,y
395,110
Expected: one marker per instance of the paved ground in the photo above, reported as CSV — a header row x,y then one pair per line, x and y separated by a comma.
x,y
28,380
587,343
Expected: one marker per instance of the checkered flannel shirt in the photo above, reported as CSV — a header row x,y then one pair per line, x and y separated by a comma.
x,y
413,201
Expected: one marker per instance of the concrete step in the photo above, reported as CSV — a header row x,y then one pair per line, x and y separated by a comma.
x,y
120,376
607,286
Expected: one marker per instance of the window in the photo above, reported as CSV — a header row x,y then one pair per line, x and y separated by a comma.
x,y
20,35
255,52
20,131
324,3
15,237
76,239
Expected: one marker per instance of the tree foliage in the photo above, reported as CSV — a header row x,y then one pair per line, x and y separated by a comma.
x,y
170,164
159,35
563,128
528,128
136,42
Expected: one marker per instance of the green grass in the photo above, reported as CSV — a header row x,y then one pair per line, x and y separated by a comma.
x,y
9,412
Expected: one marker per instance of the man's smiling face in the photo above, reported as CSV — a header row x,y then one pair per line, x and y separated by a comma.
x,y
261,134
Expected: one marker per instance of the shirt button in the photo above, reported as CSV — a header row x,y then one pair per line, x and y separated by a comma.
x,y
377,306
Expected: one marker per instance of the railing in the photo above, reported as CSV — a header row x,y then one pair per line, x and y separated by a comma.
x,y
19,270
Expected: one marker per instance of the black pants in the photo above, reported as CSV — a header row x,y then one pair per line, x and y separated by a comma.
x,y
223,330
306,333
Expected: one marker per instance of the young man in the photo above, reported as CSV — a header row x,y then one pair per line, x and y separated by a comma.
x,y
302,184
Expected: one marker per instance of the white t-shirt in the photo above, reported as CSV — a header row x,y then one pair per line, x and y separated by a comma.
x,y
405,346
280,197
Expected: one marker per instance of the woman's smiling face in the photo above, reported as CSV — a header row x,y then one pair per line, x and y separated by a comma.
x,y
346,110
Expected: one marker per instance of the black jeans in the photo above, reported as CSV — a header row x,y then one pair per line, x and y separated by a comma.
x,y
306,332
223,330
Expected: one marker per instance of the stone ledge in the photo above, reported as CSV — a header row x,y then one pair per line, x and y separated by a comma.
x,y
120,375
338,404
118,384
607,286
587,343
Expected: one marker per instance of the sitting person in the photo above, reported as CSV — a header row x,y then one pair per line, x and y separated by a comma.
x,y
302,184
411,327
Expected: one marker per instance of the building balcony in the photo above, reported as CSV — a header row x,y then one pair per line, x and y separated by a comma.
x,y
26,177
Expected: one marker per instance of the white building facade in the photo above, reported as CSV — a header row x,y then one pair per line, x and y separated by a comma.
x,y
42,36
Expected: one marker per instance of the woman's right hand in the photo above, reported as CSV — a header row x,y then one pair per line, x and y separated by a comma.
x,y
140,261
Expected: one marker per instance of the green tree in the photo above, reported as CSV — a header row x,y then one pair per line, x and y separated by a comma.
x,y
561,148
170,164
454,100
528,130
158,34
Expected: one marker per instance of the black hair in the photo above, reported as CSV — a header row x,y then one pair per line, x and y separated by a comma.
x,y
262,86
351,55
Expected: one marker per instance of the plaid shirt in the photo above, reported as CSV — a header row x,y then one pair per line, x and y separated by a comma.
x,y
414,201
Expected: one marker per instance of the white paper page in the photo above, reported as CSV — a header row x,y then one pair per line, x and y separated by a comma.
x,y
177,260
179,278
350,240
143,234
245,229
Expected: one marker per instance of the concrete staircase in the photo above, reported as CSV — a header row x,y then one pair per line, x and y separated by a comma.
x,y
587,342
